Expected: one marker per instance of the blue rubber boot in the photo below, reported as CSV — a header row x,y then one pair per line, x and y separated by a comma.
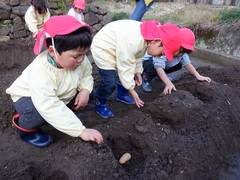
x,y
35,137
122,95
102,109
38,138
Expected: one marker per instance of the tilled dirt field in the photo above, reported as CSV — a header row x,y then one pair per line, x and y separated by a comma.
x,y
191,134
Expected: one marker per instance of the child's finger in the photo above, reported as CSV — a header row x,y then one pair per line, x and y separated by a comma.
x,y
140,104
97,139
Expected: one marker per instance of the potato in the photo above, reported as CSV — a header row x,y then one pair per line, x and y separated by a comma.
x,y
125,157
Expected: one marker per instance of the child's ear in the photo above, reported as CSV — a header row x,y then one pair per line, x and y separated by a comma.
x,y
51,51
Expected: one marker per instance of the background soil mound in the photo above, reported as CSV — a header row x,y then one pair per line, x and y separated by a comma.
x,y
191,134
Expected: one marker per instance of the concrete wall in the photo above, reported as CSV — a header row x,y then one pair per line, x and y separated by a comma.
x,y
224,39
216,57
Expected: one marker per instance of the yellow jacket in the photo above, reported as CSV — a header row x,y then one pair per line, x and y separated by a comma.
x,y
120,46
147,2
35,21
51,88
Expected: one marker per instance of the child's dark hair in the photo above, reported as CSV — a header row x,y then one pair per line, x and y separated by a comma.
x,y
182,50
81,38
39,5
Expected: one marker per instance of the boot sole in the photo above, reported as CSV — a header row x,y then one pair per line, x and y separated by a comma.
x,y
146,90
124,101
105,117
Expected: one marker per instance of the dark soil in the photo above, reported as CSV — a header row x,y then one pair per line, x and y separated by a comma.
x,y
194,133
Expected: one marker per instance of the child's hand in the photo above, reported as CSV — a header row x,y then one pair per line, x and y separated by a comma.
x,y
137,100
168,88
203,78
138,79
91,135
81,99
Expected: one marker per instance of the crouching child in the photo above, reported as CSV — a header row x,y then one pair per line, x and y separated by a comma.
x,y
57,83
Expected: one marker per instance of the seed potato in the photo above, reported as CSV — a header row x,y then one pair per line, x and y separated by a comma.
x,y
125,157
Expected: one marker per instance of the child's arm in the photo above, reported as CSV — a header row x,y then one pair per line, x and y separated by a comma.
x,y
138,79
169,85
160,64
85,86
91,135
81,99
138,101
31,21
194,72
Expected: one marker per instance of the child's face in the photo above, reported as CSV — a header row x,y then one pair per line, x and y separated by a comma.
x,y
71,59
155,48
178,53
78,10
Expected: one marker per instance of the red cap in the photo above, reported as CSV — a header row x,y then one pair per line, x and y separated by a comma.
x,y
148,29
79,4
188,38
169,34
57,25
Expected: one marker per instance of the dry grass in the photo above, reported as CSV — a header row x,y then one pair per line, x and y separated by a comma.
x,y
180,12
192,14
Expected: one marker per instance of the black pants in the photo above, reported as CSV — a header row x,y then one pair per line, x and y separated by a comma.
x,y
150,72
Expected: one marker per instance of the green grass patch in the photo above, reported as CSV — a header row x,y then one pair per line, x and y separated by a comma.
x,y
61,5
228,16
119,16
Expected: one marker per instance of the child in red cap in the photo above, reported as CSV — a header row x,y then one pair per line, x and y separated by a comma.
x,y
57,81
118,49
160,66
36,15
77,10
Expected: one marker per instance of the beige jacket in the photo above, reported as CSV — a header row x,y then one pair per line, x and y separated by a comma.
x,y
51,88
120,46
34,20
